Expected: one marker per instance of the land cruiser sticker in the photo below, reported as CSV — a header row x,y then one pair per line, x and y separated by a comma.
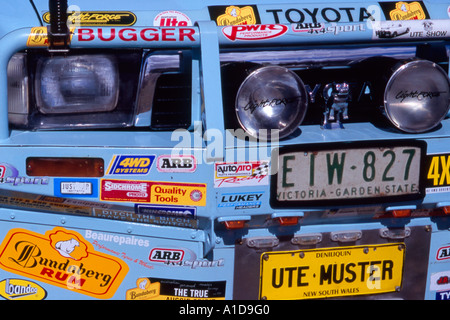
x,y
21,289
254,32
172,18
405,10
153,192
241,174
98,18
234,15
62,258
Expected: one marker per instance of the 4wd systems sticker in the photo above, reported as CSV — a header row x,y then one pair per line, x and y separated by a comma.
x,y
127,164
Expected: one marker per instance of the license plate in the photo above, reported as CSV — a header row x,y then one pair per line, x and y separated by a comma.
x,y
331,272
80,188
363,173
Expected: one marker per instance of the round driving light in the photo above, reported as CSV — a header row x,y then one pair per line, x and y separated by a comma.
x,y
417,96
271,98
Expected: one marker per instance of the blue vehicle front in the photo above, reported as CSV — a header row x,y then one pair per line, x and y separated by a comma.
x,y
211,150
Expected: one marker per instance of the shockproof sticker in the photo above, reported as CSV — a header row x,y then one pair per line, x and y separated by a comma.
x,y
62,258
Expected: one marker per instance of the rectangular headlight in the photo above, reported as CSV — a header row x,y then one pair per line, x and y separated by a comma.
x,y
81,90
74,84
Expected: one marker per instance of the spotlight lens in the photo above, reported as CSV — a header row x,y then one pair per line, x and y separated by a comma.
x,y
417,96
271,97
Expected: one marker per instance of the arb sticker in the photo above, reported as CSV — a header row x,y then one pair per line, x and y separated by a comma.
x,y
254,32
62,258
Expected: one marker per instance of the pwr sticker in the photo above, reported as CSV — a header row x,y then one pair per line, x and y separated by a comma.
x,y
254,32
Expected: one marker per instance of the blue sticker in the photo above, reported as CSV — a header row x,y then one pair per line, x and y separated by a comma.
x,y
443,295
174,211
70,187
244,200
130,164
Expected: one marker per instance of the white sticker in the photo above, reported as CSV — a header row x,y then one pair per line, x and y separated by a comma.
x,y
172,18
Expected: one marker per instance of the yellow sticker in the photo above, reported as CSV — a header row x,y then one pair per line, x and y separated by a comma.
x,y
144,290
236,16
38,37
21,289
408,11
62,258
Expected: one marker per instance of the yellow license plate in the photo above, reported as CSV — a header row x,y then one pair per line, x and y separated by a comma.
x,y
331,272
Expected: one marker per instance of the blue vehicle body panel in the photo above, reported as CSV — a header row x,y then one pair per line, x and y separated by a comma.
x,y
174,245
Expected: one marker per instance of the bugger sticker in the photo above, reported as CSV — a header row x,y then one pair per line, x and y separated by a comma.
x,y
62,258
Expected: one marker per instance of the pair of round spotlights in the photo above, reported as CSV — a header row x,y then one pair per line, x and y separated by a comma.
x,y
416,99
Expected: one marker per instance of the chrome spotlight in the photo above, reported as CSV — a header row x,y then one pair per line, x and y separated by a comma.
x,y
271,97
417,96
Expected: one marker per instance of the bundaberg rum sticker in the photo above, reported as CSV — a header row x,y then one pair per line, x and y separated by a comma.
x,y
62,258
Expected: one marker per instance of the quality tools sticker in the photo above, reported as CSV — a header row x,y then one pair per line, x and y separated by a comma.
x,y
153,192
64,259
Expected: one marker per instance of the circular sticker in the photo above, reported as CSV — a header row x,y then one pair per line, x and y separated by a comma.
x,y
172,18
196,195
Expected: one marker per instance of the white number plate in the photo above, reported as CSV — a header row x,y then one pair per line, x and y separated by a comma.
x,y
347,174
76,188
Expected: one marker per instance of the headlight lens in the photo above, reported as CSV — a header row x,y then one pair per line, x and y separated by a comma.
x,y
77,84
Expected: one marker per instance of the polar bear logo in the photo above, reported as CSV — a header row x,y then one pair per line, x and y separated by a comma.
x,y
65,248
